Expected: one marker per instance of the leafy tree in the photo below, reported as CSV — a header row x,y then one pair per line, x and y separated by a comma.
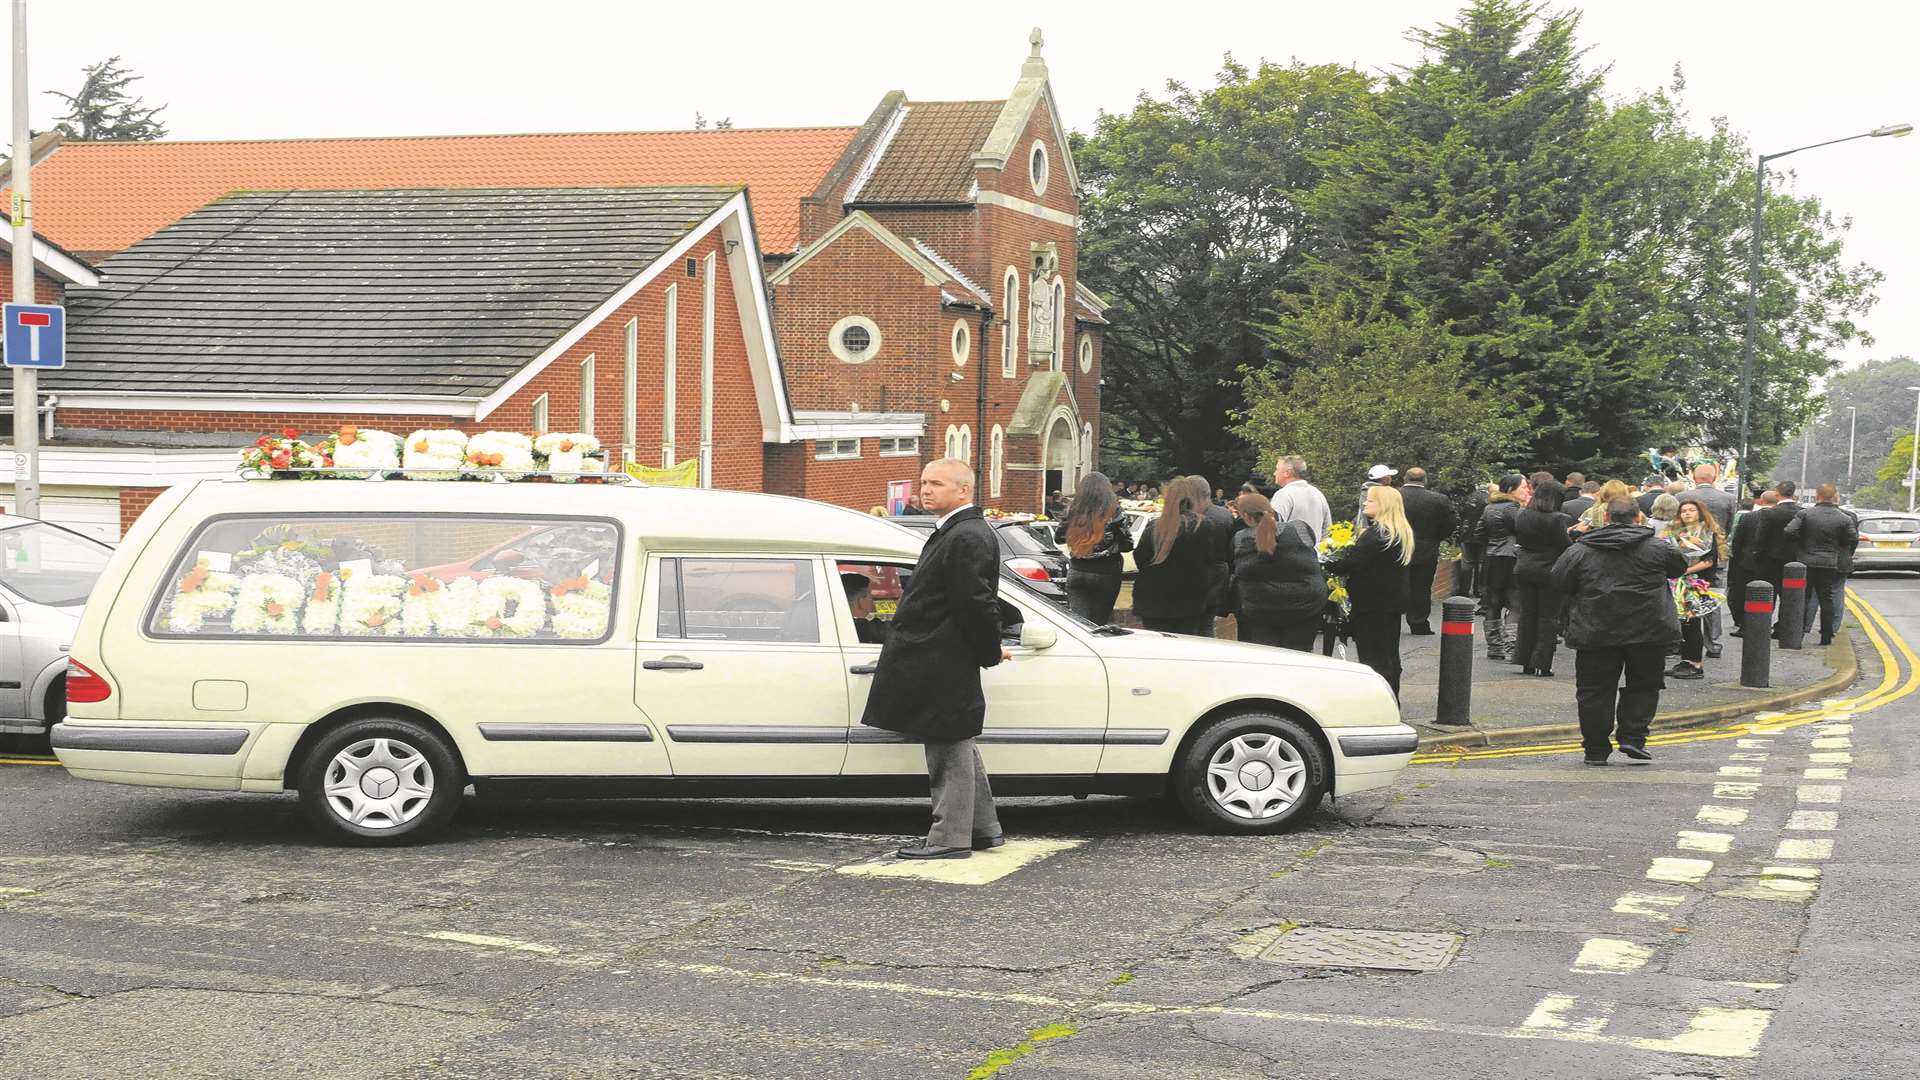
x,y
1375,387
102,109
1889,490
1191,223
1878,390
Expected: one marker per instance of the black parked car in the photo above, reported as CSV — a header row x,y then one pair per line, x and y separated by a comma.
x,y
1023,551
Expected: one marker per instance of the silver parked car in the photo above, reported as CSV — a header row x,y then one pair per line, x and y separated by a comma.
x,y
1888,541
46,573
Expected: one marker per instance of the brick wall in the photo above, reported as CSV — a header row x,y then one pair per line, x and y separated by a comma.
x,y
858,483
134,502
46,289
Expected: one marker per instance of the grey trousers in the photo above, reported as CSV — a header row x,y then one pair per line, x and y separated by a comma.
x,y
962,799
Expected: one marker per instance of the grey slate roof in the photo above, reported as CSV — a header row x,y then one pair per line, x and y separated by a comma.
x,y
420,292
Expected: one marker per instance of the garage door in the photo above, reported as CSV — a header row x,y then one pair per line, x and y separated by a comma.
x,y
93,516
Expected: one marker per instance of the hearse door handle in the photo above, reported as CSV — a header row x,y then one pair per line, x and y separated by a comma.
x,y
672,665
864,669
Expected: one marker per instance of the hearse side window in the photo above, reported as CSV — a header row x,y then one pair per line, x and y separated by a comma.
x,y
738,600
405,577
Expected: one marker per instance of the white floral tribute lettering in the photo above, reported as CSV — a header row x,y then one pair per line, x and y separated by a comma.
x,y
267,604
322,614
202,594
438,453
567,454
580,607
511,607
359,452
446,608
371,603
499,453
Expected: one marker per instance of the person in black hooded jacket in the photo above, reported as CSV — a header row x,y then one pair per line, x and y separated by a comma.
x,y
1497,594
1540,533
1277,579
1623,620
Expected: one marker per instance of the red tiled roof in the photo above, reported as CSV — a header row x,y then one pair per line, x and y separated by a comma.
x,y
98,198
930,158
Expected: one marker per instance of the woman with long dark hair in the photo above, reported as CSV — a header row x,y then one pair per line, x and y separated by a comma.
x,y
1280,587
1700,538
1170,592
1540,533
1376,570
1094,535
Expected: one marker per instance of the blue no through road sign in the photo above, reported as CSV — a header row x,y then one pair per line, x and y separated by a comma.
x,y
36,335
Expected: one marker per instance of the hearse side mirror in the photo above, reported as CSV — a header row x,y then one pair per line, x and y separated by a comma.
x,y
1037,636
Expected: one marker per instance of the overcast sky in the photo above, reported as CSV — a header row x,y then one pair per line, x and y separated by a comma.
x,y
1788,72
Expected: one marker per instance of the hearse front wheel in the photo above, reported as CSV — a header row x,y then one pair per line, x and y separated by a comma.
x,y
1253,773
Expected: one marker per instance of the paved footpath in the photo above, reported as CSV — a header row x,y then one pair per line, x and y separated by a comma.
x,y
1742,909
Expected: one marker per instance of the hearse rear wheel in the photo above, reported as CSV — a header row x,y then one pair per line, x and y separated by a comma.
x,y
381,782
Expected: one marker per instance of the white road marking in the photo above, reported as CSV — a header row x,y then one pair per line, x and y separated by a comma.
x,y
984,868
1831,759
1723,1046
1718,1032
1748,757
1833,744
1819,793
1783,884
1753,744
1757,985
1834,729
1679,871
1716,842
795,865
1564,1012
1814,820
1819,848
1825,774
1735,791
488,941
1721,815
1611,956
15,890
1648,905
1740,770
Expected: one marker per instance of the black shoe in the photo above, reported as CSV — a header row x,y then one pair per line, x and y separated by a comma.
x,y
1713,652
1735,633
988,843
1528,671
1596,761
1686,671
1679,667
924,850
1826,641
1545,672
1420,631
1636,755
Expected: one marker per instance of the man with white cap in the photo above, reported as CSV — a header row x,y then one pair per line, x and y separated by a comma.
x,y
1376,476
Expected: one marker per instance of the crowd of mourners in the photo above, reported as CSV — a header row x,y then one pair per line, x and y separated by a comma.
x,y
1625,577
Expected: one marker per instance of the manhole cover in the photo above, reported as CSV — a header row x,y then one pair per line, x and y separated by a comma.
x,y
1387,950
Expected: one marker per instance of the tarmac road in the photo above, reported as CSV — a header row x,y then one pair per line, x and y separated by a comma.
x,y
1743,908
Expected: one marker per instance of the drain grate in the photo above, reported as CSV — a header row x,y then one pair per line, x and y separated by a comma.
x,y
1385,950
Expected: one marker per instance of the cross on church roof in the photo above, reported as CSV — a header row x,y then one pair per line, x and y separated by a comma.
x,y
1036,41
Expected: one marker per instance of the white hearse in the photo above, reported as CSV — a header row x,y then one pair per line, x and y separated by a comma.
x,y
378,645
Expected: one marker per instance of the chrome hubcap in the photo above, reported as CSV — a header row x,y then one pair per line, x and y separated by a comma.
x,y
1256,776
378,783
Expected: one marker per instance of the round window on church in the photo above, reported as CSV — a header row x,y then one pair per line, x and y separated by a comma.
x,y
1037,167
962,342
854,339
1086,353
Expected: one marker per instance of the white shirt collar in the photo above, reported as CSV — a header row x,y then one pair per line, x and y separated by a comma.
x,y
948,516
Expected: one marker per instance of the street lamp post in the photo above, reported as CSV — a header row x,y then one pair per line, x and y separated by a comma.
x,y
1913,466
1853,421
1753,265
1806,451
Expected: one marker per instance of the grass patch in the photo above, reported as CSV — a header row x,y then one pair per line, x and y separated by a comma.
x,y
1497,864
1000,1059
1122,979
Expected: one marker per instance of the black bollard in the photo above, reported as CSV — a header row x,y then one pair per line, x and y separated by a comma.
x,y
1756,644
1456,661
1793,606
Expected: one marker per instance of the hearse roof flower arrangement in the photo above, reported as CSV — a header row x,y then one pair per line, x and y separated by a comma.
x,y
288,451
438,454
567,454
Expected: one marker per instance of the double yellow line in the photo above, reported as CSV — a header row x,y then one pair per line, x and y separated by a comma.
x,y
1900,676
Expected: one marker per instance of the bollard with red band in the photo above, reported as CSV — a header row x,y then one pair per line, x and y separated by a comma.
x,y
1456,661
1793,606
1756,643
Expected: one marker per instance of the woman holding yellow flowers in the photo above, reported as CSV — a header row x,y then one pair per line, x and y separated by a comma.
x,y
1376,571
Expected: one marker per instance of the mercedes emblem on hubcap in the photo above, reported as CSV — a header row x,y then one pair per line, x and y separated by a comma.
x,y
1256,776
379,783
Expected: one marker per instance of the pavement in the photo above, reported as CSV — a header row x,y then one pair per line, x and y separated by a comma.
x,y
1730,912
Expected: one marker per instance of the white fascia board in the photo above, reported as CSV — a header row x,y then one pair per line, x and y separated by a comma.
x,y
861,430
492,402
1026,206
756,320
118,467
385,405
63,266
1090,298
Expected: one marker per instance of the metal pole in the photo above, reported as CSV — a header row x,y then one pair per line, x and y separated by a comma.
x,y
1913,466
26,420
1853,424
1806,451
1753,290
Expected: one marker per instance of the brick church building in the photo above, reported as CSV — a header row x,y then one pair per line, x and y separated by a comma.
x,y
810,311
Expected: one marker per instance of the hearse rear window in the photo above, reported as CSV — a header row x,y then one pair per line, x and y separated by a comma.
x,y
393,577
